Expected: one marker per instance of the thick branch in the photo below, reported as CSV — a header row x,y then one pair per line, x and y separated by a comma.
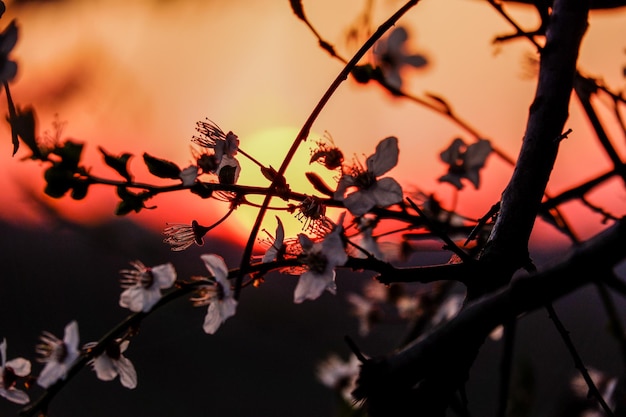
x,y
438,364
522,197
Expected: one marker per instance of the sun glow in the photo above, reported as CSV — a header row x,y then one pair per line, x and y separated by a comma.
x,y
269,147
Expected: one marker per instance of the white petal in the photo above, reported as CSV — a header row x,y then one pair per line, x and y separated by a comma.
x,y
272,251
333,249
359,202
132,298
3,352
385,157
227,307
124,345
104,367
345,182
15,395
188,175
71,341
150,298
51,373
126,370
311,286
216,266
212,320
305,242
217,313
164,275
386,192
477,153
331,287
20,366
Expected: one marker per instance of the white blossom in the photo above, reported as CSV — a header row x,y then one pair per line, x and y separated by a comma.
x,y
339,375
218,294
360,189
320,259
57,354
9,371
143,285
112,363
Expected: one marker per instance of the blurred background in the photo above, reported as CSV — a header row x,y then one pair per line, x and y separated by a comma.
x,y
136,77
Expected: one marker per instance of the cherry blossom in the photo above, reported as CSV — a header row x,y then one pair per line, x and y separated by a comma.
x,y
217,294
9,371
390,56
320,259
366,311
339,375
112,363
143,285
360,189
57,354
180,236
465,161
213,137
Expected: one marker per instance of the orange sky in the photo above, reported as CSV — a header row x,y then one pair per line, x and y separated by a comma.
x,y
136,76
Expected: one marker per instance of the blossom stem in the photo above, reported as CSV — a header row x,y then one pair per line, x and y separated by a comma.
x,y
250,157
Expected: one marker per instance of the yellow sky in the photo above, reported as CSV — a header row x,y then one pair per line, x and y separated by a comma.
x,y
136,76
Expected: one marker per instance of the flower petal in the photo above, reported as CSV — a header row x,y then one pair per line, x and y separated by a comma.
x,y
188,175
71,339
386,192
217,313
452,153
164,275
133,299
416,61
345,182
311,286
15,395
397,37
104,367
333,249
3,352
272,251
359,202
126,370
216,266
51,373
20,366
385,157
452,179
477,153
